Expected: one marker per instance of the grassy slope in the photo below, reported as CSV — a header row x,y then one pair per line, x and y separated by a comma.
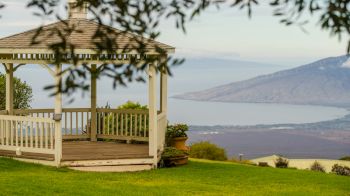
x,y
199,177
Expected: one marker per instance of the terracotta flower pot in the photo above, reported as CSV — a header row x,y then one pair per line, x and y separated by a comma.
x,y
180,143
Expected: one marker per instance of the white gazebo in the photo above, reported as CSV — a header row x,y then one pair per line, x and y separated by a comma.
x,y
83,137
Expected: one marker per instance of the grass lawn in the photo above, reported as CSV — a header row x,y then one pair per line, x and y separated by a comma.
x,y
197,178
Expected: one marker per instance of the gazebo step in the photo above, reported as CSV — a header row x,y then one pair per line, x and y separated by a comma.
x,y
117,168
111,162
104,157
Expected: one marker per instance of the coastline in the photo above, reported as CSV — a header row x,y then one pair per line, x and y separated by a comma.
x,y
325,139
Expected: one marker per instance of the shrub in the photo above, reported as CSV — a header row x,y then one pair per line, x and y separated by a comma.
x,y
281,162
207,150
130,105
341,170
346,158
171,152
316,166
263,164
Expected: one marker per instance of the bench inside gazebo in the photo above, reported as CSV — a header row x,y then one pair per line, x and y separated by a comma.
x,y
82,137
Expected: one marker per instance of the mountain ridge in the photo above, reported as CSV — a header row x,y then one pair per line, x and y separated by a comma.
x,y
323,82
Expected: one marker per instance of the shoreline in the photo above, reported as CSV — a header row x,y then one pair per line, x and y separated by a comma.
x,y
341,106
324,139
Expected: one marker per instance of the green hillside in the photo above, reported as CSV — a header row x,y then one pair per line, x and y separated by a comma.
x,y
198,177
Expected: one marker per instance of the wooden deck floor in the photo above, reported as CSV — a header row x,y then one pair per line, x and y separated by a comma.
x,y
85,150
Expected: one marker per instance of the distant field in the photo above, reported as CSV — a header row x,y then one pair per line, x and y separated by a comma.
x,y
197,178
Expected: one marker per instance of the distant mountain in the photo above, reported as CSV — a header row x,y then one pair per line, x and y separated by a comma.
x,y
324,82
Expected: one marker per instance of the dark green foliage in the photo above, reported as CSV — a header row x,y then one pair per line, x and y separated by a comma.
x,y
171,152
334,15
316,166
1,6
23,94
133,106
263,164
341,170
177,130
207,150
281,162
346,158
173,131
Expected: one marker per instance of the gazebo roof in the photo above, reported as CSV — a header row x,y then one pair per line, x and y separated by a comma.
x,y
82,38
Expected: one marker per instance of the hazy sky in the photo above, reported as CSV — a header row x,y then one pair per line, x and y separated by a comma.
x,y
227,33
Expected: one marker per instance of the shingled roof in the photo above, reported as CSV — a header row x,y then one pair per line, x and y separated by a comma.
x,y
81,38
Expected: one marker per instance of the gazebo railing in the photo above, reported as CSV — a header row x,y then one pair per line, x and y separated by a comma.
x,y
122,124
119,124
27,134
75,121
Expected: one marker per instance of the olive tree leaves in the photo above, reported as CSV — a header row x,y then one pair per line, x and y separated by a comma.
x,y
2,5
140,19
334,15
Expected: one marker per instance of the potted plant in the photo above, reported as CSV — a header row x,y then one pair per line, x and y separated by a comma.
x,y
176,136
173,157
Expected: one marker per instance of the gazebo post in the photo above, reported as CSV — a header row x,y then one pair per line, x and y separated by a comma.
x,y
58,116
152,104
164,87
93,131
9,88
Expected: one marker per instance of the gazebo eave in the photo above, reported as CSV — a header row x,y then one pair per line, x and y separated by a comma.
x,y
151,51
88,56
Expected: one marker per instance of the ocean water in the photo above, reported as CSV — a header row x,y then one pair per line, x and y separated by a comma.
x,y
194,75
215,113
